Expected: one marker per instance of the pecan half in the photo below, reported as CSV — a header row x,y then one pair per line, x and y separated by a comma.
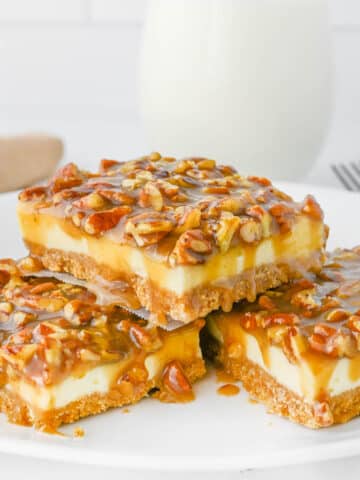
x,y
67,177
284,216
191,248
106,164
149,228
150,196
32,193
312,208
228,225
100,222
250,230
92,201
175,379
117,197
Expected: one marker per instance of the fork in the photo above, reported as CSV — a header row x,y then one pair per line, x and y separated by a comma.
x,y
349,175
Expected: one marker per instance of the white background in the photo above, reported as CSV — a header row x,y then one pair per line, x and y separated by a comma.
x,y
69,67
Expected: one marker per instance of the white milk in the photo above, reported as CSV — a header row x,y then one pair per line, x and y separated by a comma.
x,y
247,82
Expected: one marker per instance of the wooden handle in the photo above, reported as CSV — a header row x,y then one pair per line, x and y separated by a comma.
x,y
26,159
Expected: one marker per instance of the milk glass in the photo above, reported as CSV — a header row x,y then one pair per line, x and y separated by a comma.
x,y
247,82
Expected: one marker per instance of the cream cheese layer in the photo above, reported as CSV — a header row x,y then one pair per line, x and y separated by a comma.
x,y
308,378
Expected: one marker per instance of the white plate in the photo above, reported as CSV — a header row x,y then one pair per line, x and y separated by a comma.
x,y
213,433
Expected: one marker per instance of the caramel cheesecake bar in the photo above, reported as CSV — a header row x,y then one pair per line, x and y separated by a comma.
x,y
63,357
297,348
186,237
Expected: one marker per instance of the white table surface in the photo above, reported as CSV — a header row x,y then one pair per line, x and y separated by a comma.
x,y
86,142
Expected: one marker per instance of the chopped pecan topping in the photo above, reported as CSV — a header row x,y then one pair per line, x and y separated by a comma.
x,y
320,312
143,338
312,208
228,225
50,330
92,201
191,194
98,223
149,228
250,231
106,164
30,265
175,379
150,196
67,177
191,248
33,193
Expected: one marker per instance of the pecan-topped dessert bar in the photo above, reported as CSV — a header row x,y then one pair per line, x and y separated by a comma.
x,y
63,357
187,236
297,348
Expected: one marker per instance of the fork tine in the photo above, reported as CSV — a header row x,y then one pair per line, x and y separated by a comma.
x,y
352,176
337,170
356,167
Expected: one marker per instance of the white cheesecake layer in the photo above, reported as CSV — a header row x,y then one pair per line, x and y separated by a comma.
x,y
306,238
300,378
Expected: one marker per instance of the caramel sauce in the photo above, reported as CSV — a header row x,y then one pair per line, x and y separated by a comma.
x,y
354,369
224,377
322,367
228,390
69,334
279,244
160,193
79,432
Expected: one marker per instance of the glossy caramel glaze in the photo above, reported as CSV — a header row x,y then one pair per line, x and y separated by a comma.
x,y
314,320
50,330
180,212
228,390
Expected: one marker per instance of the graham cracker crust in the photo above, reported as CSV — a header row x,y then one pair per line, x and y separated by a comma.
x,y
282,401
18,412
197,303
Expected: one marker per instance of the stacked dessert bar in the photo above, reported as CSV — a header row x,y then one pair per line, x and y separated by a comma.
x,y
297,348
124,266
64,357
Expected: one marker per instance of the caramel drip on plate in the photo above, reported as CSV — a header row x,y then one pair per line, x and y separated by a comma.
x,y
228,390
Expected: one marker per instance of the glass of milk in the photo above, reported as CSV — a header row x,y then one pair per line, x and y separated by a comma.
x,y
247,82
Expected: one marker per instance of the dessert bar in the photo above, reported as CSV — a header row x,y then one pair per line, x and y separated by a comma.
x,y
297,348
179,238
63,357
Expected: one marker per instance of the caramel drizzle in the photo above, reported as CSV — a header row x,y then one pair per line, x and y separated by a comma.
x,y
52,343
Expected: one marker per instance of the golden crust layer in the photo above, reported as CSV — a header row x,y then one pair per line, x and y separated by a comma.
x,y
196,303
280,400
